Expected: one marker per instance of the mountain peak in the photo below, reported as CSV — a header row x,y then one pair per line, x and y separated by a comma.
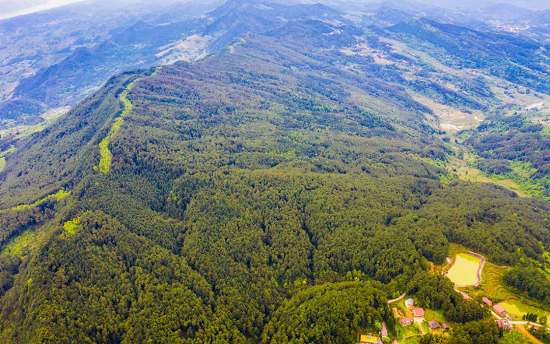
x,y
231,5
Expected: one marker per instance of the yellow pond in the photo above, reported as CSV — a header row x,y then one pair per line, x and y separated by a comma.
x,y
518,309
464,270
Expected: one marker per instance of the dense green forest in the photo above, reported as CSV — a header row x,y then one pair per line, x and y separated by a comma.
x,y
531,281
515,147
473,332
266,194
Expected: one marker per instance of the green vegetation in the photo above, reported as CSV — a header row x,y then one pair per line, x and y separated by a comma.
x,y
336,308
106,155
409,334
466,169
18,244
70,227
541,334
530,281
437,293
280,192
3,157
471,333
59,195
511,147
513,337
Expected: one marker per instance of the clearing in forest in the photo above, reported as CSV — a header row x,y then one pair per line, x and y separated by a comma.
x,y
106,155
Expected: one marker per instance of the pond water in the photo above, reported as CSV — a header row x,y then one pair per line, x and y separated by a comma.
x,y
464,270
517,308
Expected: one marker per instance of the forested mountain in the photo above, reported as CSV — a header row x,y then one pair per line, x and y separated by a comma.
x,y
281,189
55,58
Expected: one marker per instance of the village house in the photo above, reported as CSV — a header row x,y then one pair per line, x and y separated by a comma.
x,y
446,327
466,296
384,330
504,324
418,312
500,311
406,321
409,303
487,301
369,339
433,325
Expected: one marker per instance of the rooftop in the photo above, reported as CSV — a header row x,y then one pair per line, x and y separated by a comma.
x,y
368,338
418,312
384,330
498,309
433,325
406,321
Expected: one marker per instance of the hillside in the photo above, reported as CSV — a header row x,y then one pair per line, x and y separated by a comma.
x,y
281,190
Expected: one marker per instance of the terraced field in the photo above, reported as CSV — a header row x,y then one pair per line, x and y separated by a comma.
x,y
492,284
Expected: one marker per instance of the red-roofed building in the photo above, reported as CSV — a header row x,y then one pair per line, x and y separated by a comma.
x,y
504,324
466,296
500,311
406,321
418,312
487,301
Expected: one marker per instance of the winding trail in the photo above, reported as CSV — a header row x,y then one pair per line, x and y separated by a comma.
x,y
481,265
106,155
398,299
527,334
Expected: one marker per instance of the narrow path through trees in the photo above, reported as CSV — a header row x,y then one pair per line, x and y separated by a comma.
x,y
398,299
106,155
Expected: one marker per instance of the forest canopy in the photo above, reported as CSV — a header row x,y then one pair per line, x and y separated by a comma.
x,y
279,191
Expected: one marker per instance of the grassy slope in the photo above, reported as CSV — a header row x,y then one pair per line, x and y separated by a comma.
x,y
106,155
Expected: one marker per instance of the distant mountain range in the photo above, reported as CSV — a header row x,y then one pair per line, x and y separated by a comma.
x,y
80,56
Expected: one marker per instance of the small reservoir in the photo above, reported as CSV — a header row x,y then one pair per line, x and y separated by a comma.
x,y
465,270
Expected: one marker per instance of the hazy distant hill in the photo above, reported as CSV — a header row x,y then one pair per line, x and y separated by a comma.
x,y
11,6
64,47
60,73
